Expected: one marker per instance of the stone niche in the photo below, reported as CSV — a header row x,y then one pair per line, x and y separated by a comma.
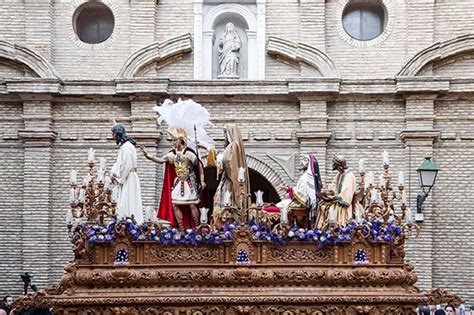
x,y
210,20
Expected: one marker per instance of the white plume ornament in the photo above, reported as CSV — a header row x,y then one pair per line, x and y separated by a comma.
x,y
185,115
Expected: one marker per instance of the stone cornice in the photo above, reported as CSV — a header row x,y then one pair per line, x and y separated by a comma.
x,y
144,87
321,135
37,135
419,135
146,135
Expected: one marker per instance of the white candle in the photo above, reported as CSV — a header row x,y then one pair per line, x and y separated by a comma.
x,y
69,217
103,163
241,175
404,197
259,198
203,217
227,198
382,181
115,194
107,183
72,195
82,195
100,175
284,215
369,179
90,155
331,215
373,195
386,159
401,179
408,218
362,166
73,177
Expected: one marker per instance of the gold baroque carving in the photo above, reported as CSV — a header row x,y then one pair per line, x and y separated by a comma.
x,y
187,254
275,254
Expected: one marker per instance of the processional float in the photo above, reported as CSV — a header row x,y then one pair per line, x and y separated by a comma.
x,y
242,263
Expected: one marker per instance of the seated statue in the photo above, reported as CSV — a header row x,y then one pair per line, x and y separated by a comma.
x,y
303,195
338,198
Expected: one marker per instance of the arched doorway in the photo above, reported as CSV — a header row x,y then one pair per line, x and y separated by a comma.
x,y
257,182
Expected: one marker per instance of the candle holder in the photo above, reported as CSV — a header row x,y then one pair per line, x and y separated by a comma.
x,y
94,202
382,201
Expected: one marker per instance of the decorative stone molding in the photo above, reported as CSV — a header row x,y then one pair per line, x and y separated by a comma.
x,y
299,52
423,135
154,53
113,6
32,135
422,84
437,51
205,17
314,135
389,16
29,58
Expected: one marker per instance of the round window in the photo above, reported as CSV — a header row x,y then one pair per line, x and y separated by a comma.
x,y
93,22
364,20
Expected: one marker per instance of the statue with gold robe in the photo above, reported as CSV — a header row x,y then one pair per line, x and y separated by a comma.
x,y
336,202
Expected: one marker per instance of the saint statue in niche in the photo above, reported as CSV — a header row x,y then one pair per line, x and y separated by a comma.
x,y
229,50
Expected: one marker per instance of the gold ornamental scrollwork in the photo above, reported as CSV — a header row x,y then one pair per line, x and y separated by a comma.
x,y
275,254
187,254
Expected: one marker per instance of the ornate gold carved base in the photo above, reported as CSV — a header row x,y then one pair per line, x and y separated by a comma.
x,y
295,278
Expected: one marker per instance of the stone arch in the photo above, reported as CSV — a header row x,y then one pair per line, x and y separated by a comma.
x,y
436,52
298,52
155,52
226,8
255,40
275,179
29,58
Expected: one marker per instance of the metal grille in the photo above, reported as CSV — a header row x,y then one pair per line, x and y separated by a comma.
x,y
94,23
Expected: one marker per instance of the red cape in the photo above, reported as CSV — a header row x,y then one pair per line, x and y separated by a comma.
x,y
165,212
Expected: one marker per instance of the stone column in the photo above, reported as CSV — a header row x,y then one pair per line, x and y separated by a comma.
x,y
313,135
312,23
142,23
39,25
419,137
37,138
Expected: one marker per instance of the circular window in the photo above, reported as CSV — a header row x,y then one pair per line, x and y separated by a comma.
x,y
93,22
364,20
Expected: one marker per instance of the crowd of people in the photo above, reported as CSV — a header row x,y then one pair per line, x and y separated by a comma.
x,y
446,310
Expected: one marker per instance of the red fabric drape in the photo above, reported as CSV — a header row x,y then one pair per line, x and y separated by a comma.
x,y
165,211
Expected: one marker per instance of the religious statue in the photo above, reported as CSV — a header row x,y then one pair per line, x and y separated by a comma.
x,y
304,194
336,202
124,173
229,50
184,173
234,185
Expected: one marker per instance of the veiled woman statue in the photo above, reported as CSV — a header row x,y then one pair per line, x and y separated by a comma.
x,y
228,165
229,50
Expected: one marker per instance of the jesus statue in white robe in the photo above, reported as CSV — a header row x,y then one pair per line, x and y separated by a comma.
x,y
124,172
